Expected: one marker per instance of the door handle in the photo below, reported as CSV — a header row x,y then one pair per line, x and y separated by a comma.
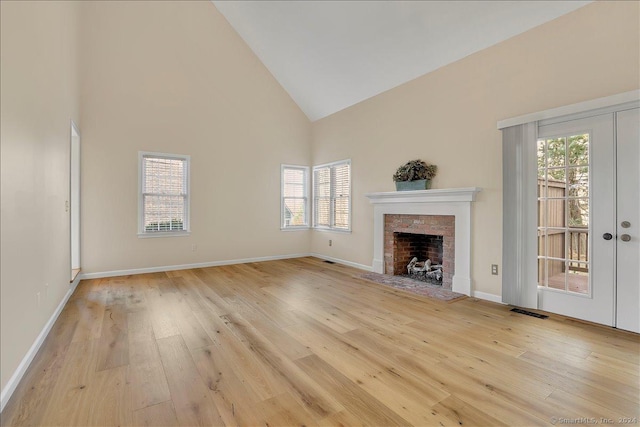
x,y
625,238
607,236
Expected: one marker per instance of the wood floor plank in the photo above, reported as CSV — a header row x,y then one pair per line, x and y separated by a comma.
x,y
114,340
202,284
621,366
146,375
190,329
393,386
315,399
264,383
90,315
190,396
69,397
161,414
303,342
362,405
142,341
108,399
233,399
461,413
274,334
597,379
285,410
159,307
148,385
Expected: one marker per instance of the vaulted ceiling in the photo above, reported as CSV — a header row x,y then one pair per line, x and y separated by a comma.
x,y
329,55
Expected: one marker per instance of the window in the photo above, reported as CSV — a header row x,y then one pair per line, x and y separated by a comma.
x,y
163,195
295,197
563,213
332,196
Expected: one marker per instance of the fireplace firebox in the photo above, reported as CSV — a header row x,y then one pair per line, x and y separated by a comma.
x,y
421,236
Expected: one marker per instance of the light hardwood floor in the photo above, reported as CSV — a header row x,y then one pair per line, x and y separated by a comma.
x,y
302,342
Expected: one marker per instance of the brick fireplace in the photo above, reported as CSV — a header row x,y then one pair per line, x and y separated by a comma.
x,y
444,213
422,236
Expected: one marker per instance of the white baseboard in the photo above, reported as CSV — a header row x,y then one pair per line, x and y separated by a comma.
x,y
341,261
159,269
13,382
488,297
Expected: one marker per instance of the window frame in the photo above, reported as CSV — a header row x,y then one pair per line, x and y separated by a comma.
x,y
187,219
306,198
332,188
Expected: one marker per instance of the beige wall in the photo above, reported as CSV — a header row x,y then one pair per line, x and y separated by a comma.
x,y
39,98
448,117
174,77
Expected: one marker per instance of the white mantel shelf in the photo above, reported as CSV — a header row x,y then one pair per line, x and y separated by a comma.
x,y
426,196
446,201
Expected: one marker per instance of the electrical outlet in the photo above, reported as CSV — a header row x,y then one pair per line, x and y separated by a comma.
x,y
193,248
330,242
494,269
38,299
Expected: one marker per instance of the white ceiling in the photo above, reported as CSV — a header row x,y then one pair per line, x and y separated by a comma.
x,y
329,55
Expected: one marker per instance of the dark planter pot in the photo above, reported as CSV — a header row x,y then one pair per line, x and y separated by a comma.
x,y
421,184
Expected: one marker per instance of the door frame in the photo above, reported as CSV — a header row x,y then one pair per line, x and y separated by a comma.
x,y
74,201
627,209
519,233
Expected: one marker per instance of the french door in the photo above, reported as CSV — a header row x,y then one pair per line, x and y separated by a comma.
x,y
628,220
588,218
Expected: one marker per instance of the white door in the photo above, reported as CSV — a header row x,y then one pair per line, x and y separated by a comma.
x,y
588,184
628,220
576,197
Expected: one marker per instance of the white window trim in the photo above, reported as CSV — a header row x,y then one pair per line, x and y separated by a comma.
x,y
331,210
306,197
187,219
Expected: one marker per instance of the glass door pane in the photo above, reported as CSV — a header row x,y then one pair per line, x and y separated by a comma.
x,y
563,213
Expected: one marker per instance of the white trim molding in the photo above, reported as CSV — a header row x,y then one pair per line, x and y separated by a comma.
x,y
487,297
425,196
580,107
13,382
162,268
342,261
450,201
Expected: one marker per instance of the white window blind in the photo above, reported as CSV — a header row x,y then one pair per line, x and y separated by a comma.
x,y
164,194
295,197
332,196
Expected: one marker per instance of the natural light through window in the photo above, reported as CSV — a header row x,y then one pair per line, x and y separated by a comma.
x,y
563,213
163,194
332,196
295,197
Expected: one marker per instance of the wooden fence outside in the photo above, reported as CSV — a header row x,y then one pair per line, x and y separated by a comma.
x,y
576,249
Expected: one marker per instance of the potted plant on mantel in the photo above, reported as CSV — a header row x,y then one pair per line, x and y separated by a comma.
x,y
414,175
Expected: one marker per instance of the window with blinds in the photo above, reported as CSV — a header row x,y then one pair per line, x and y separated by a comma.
x,y
295,197
332,196
163,194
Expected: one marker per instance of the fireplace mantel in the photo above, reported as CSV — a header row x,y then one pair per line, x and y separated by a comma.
x,y
448,201
426,196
